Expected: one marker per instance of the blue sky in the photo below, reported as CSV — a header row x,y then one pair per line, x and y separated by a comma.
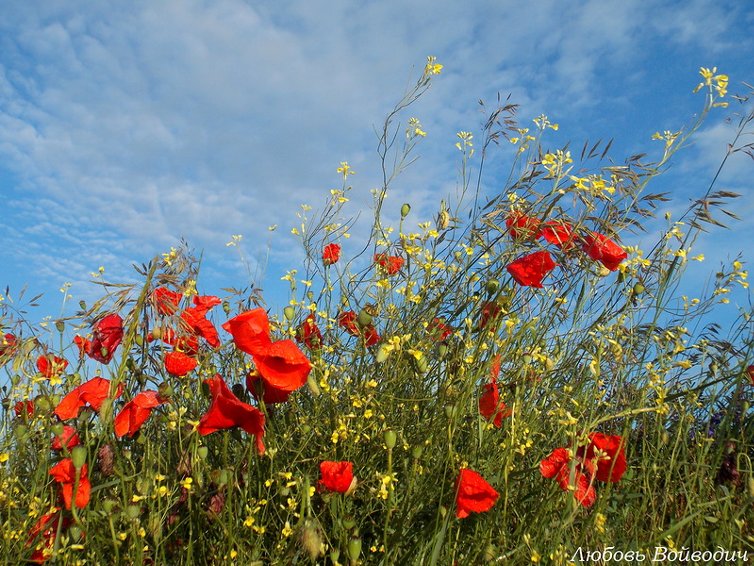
x,y
125,126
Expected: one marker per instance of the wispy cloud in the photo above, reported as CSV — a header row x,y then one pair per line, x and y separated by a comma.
x,y
126,127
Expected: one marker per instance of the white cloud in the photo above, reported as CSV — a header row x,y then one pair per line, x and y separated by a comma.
x,y
129,126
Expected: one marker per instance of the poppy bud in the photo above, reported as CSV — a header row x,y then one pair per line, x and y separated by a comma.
x,y
416,452
311,539
354,550
226,307
22,432
442,349
638,289
364,318
390,439
82,304
133,511
289,313
405,209
223,477
349,523
492,286
202,452
311,383
139,340
75,533
57,429
157,332
108,505
60,326
334,555
165,390
42,404
78,456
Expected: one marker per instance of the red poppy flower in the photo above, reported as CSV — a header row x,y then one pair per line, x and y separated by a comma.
x,y
438,330
336,476
64,472
47,526
522,227
490,312
227,411
750,371
136,412
490,405
331,254
188,344
195,319
603,249
93,392
269,394
390,263
557,465
250,330
347,320
51,366
308,333
530,269
108,333
68,438
7,344
606,451
283,365
559,234
371,336
473,494
166,301
179,364
24,406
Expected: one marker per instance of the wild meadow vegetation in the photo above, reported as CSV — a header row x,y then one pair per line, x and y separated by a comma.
x,y
512,381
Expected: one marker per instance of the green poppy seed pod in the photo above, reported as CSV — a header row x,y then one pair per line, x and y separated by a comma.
x,y
450,411
60,326
416,452
57,429
390,439
348,523
746,406
139,340
141,438
527,359
383,353
82,304
334,555
78,456
442,349
157,332
364,318
405,209
127,453
133,511
284,491
226,307
354,550
108,505
289,312
492,286
638,289
202,452
104,352
422,365
306,429
42,404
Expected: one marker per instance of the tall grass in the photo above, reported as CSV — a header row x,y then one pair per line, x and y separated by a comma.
x,y
418,355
